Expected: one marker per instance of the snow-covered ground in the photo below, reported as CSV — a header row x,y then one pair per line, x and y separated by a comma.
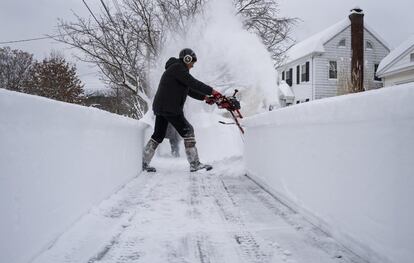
x,y
343,163
178,216
346,162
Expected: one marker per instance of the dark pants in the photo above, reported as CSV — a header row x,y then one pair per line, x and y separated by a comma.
x,y
179,122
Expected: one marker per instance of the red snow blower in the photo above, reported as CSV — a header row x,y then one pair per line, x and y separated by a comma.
x,y
231,104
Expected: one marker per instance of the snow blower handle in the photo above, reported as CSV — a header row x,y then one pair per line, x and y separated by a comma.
x,y
230,103
211,99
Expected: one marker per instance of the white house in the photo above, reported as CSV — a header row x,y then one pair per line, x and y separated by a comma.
x,y
317,66
398,67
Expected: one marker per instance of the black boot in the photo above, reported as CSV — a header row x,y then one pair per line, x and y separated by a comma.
x,y
147,168
147,155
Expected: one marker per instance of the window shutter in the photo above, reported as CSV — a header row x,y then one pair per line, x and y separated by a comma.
x,y
297,74
283,75
307,71
291,77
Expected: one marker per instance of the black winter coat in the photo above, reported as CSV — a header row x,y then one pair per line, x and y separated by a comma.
x,y
175,84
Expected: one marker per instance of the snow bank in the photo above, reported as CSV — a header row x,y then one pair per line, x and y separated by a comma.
x,y
57,160
347,163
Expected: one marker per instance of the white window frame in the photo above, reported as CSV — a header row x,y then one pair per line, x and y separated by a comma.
x,y
329,69
340,43
303,73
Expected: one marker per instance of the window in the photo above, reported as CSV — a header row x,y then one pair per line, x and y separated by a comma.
x,y
333,70
289,77
368,45
342,43
305,72
298,74
375,72
412,57
283,75
303,75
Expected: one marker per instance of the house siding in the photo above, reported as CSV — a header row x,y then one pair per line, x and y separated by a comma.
x,y
325,87
303,90
319,85
400,78
372,57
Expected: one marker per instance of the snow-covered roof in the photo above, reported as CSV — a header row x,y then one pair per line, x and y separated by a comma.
x,y
285,90
395,54
315,43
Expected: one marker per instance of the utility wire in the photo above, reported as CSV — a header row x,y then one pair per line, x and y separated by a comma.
x,y
54,36
30,39
51,36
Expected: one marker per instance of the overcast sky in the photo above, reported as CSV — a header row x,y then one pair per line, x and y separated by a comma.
x,y
393,20
23,19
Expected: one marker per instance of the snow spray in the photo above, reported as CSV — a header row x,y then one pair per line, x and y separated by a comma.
x,y
229,57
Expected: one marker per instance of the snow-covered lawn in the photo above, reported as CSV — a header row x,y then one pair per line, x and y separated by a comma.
x,y
178,216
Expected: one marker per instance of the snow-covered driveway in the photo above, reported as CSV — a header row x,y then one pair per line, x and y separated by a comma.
x,y
178,216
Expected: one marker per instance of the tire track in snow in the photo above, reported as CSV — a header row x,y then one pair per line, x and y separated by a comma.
x,y
204,249
249,248
213,217
129,247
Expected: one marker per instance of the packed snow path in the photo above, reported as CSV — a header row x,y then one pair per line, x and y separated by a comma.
x,y
177,216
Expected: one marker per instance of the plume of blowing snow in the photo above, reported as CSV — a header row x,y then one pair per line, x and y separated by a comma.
x,y
229,57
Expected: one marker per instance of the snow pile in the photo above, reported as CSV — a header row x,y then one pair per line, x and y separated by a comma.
x,y
346,162
228,57
57,160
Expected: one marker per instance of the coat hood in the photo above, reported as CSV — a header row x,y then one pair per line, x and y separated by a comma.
x,y
172,61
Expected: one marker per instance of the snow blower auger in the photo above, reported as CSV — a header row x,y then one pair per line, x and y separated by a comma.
x,y
231,104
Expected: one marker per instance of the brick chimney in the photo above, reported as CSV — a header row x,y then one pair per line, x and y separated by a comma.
x,y
357,47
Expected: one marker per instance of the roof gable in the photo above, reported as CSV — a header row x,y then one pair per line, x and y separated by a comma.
x,y
395,55
315,43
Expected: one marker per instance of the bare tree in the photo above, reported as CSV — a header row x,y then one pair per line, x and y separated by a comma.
x,y
14,66
124,41
262,17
